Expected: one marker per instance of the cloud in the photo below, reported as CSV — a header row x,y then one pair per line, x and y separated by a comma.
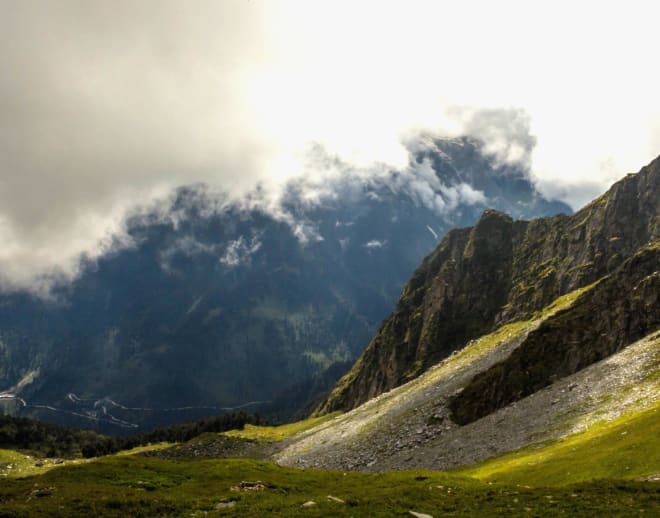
x,y
107,107
186,246
375,243
506,132
424,186
240,251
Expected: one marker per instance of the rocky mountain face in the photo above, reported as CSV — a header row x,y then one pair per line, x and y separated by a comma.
x,y
501,271
220,305
622,308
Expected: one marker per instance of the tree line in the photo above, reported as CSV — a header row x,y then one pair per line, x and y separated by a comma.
x,y
49,440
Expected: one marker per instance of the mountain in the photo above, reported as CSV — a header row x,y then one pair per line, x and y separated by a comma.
x,y
553,411
502,271
537,356
218,305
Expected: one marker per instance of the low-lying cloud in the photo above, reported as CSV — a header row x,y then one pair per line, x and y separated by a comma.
x,y
240,251
375,244
105,108
507,133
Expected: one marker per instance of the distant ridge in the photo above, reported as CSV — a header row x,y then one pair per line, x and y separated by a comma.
x,y
217,304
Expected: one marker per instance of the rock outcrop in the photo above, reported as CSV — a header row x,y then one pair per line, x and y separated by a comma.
x,y
622,308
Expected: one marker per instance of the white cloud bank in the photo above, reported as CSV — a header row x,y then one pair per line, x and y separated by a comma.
x,y
106,105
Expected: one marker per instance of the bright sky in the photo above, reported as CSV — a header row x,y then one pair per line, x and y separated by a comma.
x,y
104,105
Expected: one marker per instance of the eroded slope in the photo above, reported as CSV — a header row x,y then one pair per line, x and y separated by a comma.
x,y
411,426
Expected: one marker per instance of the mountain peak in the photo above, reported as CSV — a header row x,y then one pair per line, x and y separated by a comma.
x,y
499,271
220,303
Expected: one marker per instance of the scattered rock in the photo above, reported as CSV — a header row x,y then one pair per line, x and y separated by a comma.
x,y
40,492
335,499
225,505
353,443
311,503
249,486
419,515
220,447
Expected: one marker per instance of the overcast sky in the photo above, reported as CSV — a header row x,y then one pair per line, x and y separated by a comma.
x,y
105,105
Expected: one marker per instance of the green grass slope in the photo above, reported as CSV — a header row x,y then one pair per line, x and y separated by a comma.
x,y
281,432
134,486
626,448
607,470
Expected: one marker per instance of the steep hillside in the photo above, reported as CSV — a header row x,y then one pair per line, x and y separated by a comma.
x,y
617,311
502,271
411,426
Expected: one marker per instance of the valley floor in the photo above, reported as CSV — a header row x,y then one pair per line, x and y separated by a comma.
x,y
138,486
612,469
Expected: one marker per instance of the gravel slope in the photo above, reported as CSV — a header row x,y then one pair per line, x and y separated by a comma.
x,y
409,427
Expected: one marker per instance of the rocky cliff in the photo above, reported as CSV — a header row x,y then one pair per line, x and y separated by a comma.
x,y
620,309
503,270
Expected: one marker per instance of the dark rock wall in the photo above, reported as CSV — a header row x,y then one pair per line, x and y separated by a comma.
x,y
620,309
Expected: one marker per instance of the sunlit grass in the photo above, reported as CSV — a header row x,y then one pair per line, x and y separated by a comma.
x,y
18,464
625,448
278,433
138,486
147,448
565,301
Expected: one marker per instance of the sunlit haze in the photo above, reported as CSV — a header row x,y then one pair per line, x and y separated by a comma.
x,y
108,105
